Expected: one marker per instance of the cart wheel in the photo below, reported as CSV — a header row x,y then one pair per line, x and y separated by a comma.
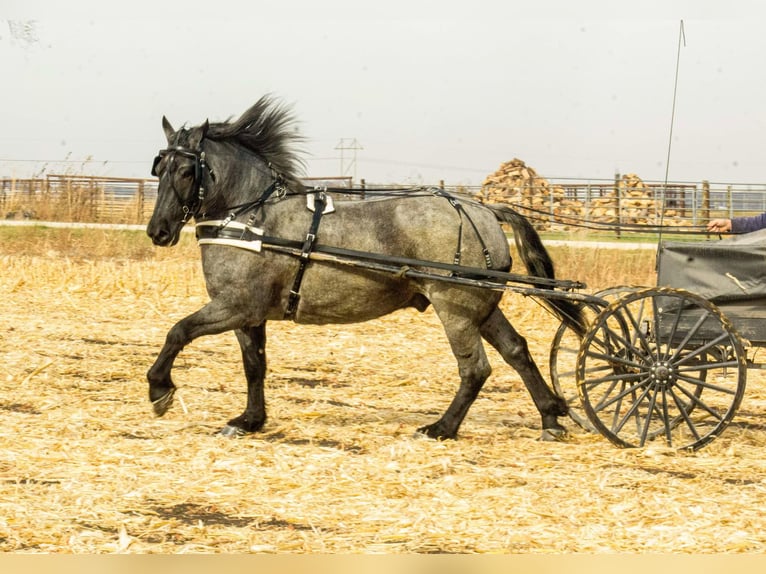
x,y
563,357
661,362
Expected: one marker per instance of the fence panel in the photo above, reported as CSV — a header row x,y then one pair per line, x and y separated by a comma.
x,y
559,205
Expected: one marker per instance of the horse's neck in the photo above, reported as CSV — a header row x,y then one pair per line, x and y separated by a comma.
x,y
239,181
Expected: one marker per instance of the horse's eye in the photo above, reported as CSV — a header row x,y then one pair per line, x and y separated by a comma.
x,y
186,172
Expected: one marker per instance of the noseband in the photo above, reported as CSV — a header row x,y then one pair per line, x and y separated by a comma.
x,y
192,204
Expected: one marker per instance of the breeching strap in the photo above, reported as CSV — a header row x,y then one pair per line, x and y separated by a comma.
x,y
308,246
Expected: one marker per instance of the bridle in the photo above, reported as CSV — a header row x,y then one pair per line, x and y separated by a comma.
x,y
192,204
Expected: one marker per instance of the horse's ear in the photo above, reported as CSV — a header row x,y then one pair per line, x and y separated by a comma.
x,y
167,128
198,135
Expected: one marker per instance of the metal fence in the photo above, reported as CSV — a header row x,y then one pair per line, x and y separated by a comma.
x,y
78,198
96,199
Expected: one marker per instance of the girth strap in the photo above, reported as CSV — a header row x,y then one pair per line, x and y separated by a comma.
x,y
308,246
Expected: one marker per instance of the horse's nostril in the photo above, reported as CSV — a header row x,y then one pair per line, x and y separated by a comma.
x,y
159,236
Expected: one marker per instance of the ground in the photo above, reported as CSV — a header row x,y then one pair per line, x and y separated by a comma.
x,y
86,468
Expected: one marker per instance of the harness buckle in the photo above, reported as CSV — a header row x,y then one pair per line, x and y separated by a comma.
x,y
227,220
307,245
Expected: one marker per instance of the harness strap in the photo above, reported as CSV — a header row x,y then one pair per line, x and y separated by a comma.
x,y
237,210
308,246
453,201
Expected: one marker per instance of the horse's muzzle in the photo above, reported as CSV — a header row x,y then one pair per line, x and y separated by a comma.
x,y
162,235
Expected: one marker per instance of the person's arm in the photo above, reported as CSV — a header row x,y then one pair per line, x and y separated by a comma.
x,y
748,224
738,224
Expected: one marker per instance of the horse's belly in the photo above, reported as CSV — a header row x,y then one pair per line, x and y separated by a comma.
x,y
343,298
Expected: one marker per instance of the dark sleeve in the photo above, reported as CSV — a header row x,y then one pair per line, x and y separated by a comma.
x,y
748,224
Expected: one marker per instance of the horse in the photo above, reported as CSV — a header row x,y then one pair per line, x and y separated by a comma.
x,y
240,180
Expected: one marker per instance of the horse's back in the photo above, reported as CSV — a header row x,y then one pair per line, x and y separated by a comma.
x,y
426,227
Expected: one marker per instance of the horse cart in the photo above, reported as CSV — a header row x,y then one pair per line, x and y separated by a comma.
x,y
669,363
662,363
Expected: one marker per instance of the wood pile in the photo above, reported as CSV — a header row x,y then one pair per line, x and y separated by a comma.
x,y
629,201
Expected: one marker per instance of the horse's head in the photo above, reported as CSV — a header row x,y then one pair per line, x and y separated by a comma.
x,y
252,155
182,171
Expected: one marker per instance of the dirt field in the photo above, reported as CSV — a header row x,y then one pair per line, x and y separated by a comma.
x,y
86,468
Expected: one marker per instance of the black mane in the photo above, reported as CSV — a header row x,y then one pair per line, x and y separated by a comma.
x,y
267,129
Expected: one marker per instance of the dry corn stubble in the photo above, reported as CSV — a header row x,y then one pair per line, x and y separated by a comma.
x,y
86,468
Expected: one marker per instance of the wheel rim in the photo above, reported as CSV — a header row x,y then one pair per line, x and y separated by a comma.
x,y
661,364
565,347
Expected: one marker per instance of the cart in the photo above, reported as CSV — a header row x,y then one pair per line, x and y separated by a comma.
x,y
668,363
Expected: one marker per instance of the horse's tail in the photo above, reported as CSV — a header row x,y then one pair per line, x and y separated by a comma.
x,y
539,264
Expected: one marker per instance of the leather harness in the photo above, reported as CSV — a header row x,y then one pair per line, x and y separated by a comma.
x,y
228,231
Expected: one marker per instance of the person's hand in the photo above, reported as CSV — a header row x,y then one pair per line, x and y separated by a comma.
x,y
719,225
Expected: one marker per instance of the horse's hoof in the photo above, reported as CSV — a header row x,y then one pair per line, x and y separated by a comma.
x,y
435,432
553,435
231,431
162,404
420,435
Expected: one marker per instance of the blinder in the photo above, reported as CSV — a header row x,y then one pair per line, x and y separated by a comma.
x,y
191,204
198,157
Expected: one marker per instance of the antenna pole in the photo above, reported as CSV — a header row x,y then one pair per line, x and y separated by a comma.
x,y
681,41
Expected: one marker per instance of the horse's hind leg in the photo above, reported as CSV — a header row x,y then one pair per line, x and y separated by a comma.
x,y
252,342
474,368
499,332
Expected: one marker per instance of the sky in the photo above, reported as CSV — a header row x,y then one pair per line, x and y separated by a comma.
x,y
426,90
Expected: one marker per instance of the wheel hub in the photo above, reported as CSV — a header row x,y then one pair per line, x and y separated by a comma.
x,y
662,374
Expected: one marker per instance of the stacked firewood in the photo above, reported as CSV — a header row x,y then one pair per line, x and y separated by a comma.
x,y
629,201
520,186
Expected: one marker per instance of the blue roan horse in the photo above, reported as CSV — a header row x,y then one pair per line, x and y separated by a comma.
x,y
258,236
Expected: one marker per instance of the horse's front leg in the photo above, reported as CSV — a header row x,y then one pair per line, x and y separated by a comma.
x,y
252,342
212,319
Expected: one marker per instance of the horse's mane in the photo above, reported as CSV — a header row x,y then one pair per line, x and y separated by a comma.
x,y
267,129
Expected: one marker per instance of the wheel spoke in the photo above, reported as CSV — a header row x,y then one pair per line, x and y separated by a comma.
x,y
673,329
707,366
685,415
616,360
696,327
700,404
604,403
592,383
701,349
666,416
706,385
636,332
648,419
633,409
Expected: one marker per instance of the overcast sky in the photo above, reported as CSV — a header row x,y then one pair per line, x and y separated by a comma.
x,y
430,90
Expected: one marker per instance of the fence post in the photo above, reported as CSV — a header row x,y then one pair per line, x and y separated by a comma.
x,y
140,203
619,204
551,210
729,202
705,200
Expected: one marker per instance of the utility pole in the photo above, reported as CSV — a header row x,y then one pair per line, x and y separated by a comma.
x,y
348,144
